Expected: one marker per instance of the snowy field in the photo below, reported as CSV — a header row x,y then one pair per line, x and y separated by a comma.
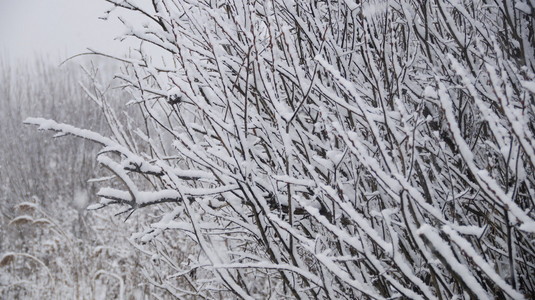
x,y
233,149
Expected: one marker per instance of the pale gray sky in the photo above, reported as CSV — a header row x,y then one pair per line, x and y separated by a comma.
x,y
55,28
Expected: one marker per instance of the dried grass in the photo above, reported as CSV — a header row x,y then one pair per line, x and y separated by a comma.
x,y
6,259
21,220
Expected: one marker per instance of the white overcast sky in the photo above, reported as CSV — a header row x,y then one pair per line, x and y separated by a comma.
x,y
55,28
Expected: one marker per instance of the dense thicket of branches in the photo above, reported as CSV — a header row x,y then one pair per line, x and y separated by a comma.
x,y
332,149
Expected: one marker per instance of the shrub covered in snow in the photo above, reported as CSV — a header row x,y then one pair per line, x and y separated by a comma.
x,y
330,149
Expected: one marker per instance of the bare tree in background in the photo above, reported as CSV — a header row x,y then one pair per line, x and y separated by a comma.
x,y
330,149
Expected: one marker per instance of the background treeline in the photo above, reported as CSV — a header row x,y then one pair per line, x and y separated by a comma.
x,y
49,247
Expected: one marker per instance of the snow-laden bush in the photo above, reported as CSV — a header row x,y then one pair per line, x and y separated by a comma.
x,y
330,149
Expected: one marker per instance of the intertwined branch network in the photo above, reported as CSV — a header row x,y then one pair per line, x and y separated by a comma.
x,y
330,149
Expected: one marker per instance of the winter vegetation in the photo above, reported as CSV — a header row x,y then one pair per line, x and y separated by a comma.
x,y
49,247
292,150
